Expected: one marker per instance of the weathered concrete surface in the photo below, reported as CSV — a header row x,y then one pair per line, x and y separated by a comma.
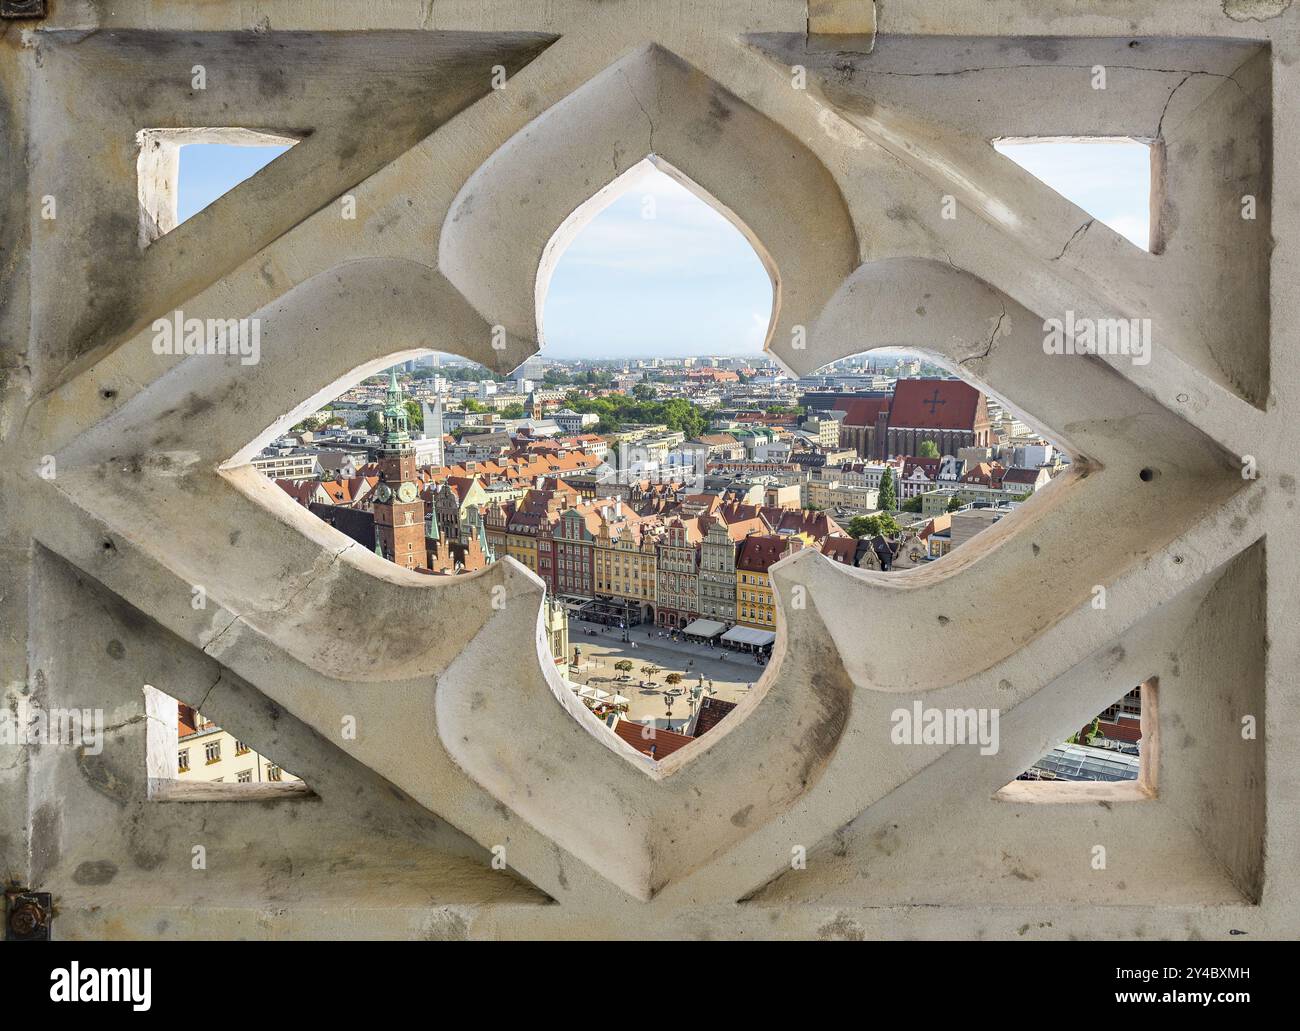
x,y
841,185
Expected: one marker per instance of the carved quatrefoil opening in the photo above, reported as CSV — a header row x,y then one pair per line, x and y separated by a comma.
x,y
298,609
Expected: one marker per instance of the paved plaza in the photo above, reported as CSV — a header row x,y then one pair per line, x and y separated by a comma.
x,y
727,674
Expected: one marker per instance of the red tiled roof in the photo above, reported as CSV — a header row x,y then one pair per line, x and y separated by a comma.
x,y
759,552
989,474
938,524
742,528
737,513
186,720
300,490
936,404
344,492
658,744
841,549
712,710
461,485
792,520
1029,476
862,411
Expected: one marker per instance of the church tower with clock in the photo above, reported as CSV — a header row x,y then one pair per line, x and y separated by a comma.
x,y
399,512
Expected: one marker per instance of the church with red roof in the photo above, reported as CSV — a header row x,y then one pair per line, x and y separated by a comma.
x,y
949,412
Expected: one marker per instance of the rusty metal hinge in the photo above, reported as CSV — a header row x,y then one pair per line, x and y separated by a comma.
x,y
28,915
23,8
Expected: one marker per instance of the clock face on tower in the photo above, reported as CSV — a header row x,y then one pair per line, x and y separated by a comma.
x,y
406,492
382,493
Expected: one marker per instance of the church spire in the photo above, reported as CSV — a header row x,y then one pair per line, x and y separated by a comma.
x,y
397,436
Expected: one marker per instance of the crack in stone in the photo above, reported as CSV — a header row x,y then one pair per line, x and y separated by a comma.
x,y
125,723
211,687
650,121
1169,100
234,619
239,618
1186,73
1074,236
993,336
951,264
1023,67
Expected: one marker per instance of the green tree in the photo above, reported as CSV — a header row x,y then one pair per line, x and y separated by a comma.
x,y
617,409
888,496
473,407
414,415
954,503
928,449
624,666
514,411
869,526
374,422
911,505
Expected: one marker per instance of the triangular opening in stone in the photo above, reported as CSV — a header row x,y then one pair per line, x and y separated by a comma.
x,y
1108,178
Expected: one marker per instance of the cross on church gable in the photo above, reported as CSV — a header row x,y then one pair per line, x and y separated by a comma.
x,y
934,402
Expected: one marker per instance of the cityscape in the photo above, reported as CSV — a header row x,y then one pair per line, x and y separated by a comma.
x,y
622,470
653,493
653,497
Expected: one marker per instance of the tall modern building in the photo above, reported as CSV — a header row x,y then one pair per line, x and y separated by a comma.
x,y
429,448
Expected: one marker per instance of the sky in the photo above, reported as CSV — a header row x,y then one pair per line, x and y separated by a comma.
x,y
660,273
1110,180
210,169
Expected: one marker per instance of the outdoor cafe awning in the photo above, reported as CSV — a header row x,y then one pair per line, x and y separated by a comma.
x,y
749,635
704,628
595,694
